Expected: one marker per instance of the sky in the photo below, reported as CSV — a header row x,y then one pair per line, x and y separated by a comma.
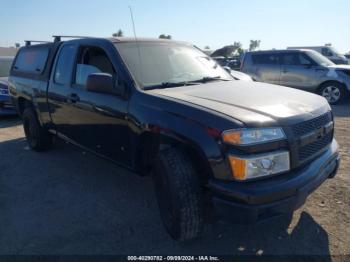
x,y
214,23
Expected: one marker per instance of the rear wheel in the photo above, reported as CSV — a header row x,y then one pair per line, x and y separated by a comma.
x,y
37,137
333,92
178,194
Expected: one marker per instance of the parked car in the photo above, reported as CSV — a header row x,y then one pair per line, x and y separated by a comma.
x,y
328,51
348,57
6,106
302,69
216,146
221,60
232,62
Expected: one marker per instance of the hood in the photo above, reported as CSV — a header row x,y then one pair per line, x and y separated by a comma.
x,y
251,102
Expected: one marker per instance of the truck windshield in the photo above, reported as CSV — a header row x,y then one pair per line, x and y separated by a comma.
x,y
158,64
5,67
319,59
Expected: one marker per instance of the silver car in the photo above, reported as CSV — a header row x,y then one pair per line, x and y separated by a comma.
x,y
328,51
303,69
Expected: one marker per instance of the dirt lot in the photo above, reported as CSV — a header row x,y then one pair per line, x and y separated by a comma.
x,y
66,201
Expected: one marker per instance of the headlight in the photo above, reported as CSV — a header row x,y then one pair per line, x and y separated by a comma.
x,y
259,165
253,136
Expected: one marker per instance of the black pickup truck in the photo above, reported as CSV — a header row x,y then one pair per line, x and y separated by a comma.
x,y
240,150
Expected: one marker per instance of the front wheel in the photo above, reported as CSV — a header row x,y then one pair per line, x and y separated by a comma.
x,y
37,137
178,194
333,92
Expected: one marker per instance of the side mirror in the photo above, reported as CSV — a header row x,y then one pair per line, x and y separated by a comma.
x,y
100,83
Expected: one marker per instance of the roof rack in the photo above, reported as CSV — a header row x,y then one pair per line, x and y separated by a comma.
x,y
29,42
57,38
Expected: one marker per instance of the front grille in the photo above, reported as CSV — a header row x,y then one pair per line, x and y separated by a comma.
x,y
311,149
311,125
303,152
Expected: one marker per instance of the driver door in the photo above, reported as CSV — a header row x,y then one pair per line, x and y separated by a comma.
x,y
95,120
297,70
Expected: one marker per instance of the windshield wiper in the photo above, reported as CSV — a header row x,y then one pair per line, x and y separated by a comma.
x,y
208,79
169,85
186,83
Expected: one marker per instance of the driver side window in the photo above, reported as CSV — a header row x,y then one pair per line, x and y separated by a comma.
x,y
305,60
92,60
296,59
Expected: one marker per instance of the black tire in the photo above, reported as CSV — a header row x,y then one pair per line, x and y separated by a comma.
x,y
334,92
38,138
178,194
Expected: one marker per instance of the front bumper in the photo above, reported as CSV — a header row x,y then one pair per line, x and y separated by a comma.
x,y
254,201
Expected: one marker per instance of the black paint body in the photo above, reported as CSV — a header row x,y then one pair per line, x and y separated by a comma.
x,y
124,127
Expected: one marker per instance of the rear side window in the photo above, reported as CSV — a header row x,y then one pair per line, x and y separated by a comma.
x,y
64,65
265,59
32,60
290,59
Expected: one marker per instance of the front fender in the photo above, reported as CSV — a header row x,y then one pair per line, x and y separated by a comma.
x,y
159,118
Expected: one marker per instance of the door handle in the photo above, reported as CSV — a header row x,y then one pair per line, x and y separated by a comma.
x,y
73,98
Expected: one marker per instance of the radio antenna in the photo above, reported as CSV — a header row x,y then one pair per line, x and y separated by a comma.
x,y
136,40
133,22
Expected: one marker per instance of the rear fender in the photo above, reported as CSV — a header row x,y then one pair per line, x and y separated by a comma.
x,y
21,88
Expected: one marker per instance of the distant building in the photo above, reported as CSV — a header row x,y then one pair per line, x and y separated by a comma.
x,y
8,51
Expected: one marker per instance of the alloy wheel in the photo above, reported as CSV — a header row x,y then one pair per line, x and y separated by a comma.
x,y
331,93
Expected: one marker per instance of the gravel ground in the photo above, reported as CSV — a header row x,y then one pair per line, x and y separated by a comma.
x,y
66,201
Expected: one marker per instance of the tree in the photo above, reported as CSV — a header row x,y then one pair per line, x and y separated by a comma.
x,y
228,50
237,45
207,47
119,33
224,51
238,48
240,51
17,45
164,36
254,44
328,44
